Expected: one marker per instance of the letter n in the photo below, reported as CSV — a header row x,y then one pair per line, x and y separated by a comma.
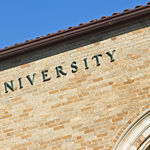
x,y
7,85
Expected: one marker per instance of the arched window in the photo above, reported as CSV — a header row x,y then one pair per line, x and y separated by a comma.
x,y
137,135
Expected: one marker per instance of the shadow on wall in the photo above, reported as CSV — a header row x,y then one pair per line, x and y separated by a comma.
x,y
74,43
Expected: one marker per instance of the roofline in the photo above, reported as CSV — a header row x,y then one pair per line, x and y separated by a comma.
x,y
82,29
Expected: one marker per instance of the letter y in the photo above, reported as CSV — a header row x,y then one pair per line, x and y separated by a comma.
x,y
111,55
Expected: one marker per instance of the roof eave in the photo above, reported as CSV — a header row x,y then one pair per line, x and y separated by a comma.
x,y
80,30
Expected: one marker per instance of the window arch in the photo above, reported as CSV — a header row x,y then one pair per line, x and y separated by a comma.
x,y
137,135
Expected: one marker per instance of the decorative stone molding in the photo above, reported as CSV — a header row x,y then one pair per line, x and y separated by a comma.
x,y
134,137
145,145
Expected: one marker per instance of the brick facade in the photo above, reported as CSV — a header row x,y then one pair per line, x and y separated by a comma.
x,y
89,108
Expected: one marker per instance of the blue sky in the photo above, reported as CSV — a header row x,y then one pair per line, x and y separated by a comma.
x,y
27,19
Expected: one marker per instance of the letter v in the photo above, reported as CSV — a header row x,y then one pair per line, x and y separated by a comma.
x,y
31,80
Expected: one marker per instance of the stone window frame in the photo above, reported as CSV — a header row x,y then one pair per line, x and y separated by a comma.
x,y
145,145
136,136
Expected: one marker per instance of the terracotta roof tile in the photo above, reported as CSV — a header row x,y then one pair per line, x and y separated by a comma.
x,y
126,10
139,6
75,27
115,14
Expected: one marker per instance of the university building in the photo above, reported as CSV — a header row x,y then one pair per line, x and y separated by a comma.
x,y
83,88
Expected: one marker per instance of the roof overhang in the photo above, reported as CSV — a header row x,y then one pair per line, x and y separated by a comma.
x,y
103,23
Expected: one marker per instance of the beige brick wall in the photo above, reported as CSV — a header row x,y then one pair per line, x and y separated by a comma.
x,y
88,109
